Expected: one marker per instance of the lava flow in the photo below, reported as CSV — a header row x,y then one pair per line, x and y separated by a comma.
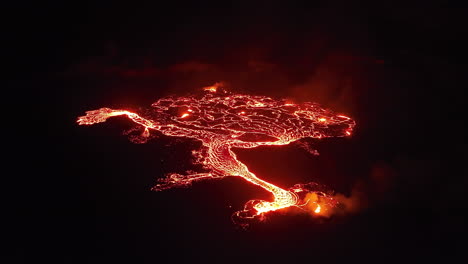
x,y
222,121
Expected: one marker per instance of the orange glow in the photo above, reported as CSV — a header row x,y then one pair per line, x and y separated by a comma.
x,y
213,88
222,123
318,209
342,116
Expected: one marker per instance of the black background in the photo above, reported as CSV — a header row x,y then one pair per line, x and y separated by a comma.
x,y
84,194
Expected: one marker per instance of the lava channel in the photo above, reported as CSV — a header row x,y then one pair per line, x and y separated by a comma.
x,y
222,121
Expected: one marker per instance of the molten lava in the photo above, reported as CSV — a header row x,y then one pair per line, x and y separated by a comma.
x,y
222,121
318,209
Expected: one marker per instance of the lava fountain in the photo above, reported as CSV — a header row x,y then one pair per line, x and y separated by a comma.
x,y
222,121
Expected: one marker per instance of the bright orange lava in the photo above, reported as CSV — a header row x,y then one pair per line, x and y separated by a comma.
x,y
223,121
317,210
213,88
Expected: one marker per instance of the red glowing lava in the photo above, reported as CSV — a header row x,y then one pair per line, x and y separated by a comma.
x,y
222,121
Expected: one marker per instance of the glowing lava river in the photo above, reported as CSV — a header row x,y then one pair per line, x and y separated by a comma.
x,y
222,121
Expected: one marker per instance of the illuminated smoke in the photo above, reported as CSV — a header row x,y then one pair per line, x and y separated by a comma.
x,y
222,121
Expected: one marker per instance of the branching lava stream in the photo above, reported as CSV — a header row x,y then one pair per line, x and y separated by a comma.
x,y
222,121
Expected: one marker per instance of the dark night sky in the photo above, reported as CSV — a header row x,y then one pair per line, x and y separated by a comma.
x,y
84,194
